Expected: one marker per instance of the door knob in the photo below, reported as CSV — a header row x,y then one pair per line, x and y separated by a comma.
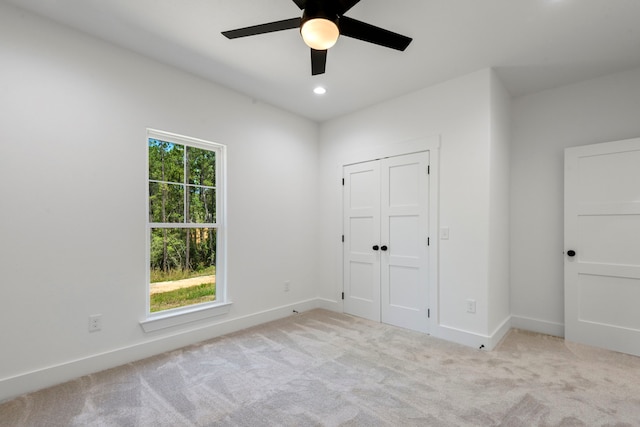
x,y
571,252
375,247
383,248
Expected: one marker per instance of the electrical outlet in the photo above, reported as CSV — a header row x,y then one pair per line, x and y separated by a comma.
x,y
95,322
287,285
471,306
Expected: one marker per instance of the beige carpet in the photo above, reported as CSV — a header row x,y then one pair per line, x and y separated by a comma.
x,y
323,368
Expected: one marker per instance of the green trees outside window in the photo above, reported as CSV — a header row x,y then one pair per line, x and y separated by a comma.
x,y
183,228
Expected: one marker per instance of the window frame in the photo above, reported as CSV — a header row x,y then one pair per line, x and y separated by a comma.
x,y
221,305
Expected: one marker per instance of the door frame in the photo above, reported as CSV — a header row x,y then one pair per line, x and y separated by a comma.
x,y
427,143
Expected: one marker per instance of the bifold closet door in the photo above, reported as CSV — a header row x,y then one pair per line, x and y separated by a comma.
x,y
386,242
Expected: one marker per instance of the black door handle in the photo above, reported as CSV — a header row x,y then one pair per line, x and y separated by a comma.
x,y
375,247
571,252
383,248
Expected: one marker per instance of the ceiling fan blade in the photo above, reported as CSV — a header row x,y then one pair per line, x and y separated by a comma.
x,y
286,24
300,3
369,33
345,5
318,61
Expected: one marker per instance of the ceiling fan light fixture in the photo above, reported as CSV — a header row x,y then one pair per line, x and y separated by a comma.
x,y
320,26
320,33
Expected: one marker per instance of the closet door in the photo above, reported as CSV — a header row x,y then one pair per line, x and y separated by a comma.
x,y
404,224
362,236
385,240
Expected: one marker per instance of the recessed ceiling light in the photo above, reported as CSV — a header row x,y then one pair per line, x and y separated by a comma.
x,y
319,90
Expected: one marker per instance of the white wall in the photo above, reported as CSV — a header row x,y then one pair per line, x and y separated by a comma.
x,y
544,124
458,112
73,114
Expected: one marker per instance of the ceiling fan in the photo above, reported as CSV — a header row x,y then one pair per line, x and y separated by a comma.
x,y
321,24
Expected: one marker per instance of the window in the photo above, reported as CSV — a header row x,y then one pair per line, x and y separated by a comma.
x,y
185,226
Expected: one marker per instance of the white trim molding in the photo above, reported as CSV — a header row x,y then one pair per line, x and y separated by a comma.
x,y
536,325
473,339
17,385
192,313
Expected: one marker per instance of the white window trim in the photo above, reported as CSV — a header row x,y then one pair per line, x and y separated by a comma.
x,y
180,316
221,306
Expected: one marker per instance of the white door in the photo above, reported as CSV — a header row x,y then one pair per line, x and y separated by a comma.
x,y
386,242
362,232
602,245
404,225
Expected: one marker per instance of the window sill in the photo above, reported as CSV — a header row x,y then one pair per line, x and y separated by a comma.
x,y
170,318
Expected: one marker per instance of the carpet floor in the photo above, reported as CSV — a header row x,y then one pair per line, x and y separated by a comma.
x,y
322,368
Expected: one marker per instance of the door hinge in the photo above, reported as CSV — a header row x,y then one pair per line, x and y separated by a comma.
x,y
428,169
343,238
343,295
342,181
428,313
428,241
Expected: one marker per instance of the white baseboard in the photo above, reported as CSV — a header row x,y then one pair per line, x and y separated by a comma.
x,y
536,325
330,305
473,339
12,387
500,333
17,385
460,336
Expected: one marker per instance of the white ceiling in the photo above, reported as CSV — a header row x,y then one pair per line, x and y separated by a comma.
x,y
533,44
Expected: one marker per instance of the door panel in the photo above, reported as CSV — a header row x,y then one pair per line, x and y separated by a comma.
x,y
602,225
403,237
404,222
608,177
362,231
403,182
364,186
600,237
361,277
362,236
595,292
406,285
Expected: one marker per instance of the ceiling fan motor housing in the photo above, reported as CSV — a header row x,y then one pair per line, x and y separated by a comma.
x,y
319,9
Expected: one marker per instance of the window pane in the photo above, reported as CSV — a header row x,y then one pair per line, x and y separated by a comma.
x,y
201,166
166,161
202,205
183,267
166,202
